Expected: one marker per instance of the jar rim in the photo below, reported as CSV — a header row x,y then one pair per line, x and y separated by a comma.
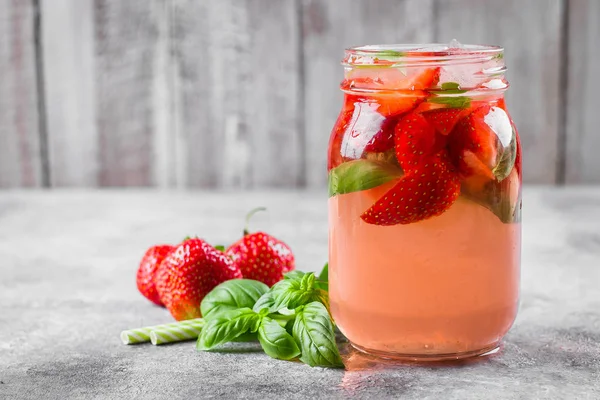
x,y
420,54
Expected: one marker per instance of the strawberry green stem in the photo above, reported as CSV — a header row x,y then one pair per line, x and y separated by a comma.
x,y
250,215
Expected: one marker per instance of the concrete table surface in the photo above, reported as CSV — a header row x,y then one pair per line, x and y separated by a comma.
x,y
67,289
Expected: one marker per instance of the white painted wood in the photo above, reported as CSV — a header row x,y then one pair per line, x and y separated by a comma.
x,y
130,40
237,93
20,155
330,27
70,89
583,83
530,31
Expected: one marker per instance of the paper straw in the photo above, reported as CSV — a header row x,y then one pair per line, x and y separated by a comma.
x,y
176,333
141,335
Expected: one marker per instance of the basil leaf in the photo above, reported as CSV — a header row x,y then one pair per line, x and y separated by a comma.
x,y
220,247
450,86
313,330
356,175
231,295
265,302
227,326
293,275
276,341
323,280
390,53
324,274
452,102
289,294
507,160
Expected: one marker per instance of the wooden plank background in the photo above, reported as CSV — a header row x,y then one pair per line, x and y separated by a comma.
x,y
243,93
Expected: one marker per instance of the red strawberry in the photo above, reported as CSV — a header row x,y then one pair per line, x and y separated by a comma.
x,y
414,139
188,273
388,100
260,256
147,271
429,189
473,145
444,119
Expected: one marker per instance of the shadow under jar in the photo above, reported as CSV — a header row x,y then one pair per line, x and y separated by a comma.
x,y
424,202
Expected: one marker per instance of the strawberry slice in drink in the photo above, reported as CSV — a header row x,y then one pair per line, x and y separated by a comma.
x,y
394,92
483,143
444,119
429,189
430,184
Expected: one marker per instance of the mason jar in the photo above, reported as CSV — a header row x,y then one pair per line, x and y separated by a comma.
x,y
424,202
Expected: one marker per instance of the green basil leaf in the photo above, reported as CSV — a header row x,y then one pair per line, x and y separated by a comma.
x,y
295,274
231,295
324,274
293,293
452,102
220,247
450,86
265,302
289,294
227,326
357,175
276,341
507,160
390,53
314,332
323,280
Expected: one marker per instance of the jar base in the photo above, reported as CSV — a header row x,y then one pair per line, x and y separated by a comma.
x,y
486,351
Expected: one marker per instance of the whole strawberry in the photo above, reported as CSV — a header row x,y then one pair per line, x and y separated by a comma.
x,y
147,271
188,273
260,256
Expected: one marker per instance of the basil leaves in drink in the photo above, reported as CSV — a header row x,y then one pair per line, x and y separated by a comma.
x,y
357,175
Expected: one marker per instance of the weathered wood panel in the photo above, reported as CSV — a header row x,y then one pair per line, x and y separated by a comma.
x,y
69,76
583,83
530,31
131,40
328,28
237,91
20,155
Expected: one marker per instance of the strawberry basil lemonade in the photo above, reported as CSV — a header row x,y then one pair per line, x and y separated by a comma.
x,y
425,202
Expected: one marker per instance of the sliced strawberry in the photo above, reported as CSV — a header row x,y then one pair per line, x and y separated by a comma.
x,y
414,139
335,140
428,79
390,101
444,119
473,145
383,140
426,191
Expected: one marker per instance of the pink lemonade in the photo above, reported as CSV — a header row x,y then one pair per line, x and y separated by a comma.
x,y
446,285
424,202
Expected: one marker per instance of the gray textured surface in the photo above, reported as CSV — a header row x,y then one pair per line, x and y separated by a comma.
x,y
67,289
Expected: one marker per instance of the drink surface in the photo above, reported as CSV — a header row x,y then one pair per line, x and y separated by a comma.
x,y
425,202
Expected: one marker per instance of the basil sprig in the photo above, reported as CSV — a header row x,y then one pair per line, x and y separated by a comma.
x,y
291,319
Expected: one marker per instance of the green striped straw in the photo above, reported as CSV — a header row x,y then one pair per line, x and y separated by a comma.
x,y
142,335
177,333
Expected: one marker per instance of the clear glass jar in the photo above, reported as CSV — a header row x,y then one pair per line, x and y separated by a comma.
x,y
424,202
